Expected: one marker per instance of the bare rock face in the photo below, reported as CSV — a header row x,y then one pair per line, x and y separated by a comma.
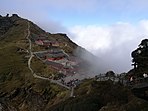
x,y
7,22
14,17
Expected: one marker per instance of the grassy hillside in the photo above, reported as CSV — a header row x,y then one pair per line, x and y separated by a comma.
x,y
101,96
20,91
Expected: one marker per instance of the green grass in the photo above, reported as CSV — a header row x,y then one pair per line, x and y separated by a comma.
x,y
42,69
13,67
15,76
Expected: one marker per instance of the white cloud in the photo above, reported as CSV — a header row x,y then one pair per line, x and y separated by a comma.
x,y
90,35
113,44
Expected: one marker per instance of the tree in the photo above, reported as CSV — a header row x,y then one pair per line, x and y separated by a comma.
x,y
140,58
110,74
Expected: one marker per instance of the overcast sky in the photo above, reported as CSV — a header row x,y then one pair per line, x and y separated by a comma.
x,y
110,29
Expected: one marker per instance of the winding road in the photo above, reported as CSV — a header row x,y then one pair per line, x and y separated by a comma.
x,y
34,74
72,91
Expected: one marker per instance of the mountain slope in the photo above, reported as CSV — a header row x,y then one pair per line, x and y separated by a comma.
x,y
94,95
22,50
19,90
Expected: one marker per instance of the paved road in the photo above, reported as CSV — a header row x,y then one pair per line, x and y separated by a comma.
x,y
72,91
65,53
29,64
30,47
51,80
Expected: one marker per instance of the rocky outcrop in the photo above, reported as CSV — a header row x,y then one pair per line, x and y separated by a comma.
x,y
7,22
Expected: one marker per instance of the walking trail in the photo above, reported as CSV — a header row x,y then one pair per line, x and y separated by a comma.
x,y
34,74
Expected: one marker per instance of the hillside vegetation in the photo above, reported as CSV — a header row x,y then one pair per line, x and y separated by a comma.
x,y
21,91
